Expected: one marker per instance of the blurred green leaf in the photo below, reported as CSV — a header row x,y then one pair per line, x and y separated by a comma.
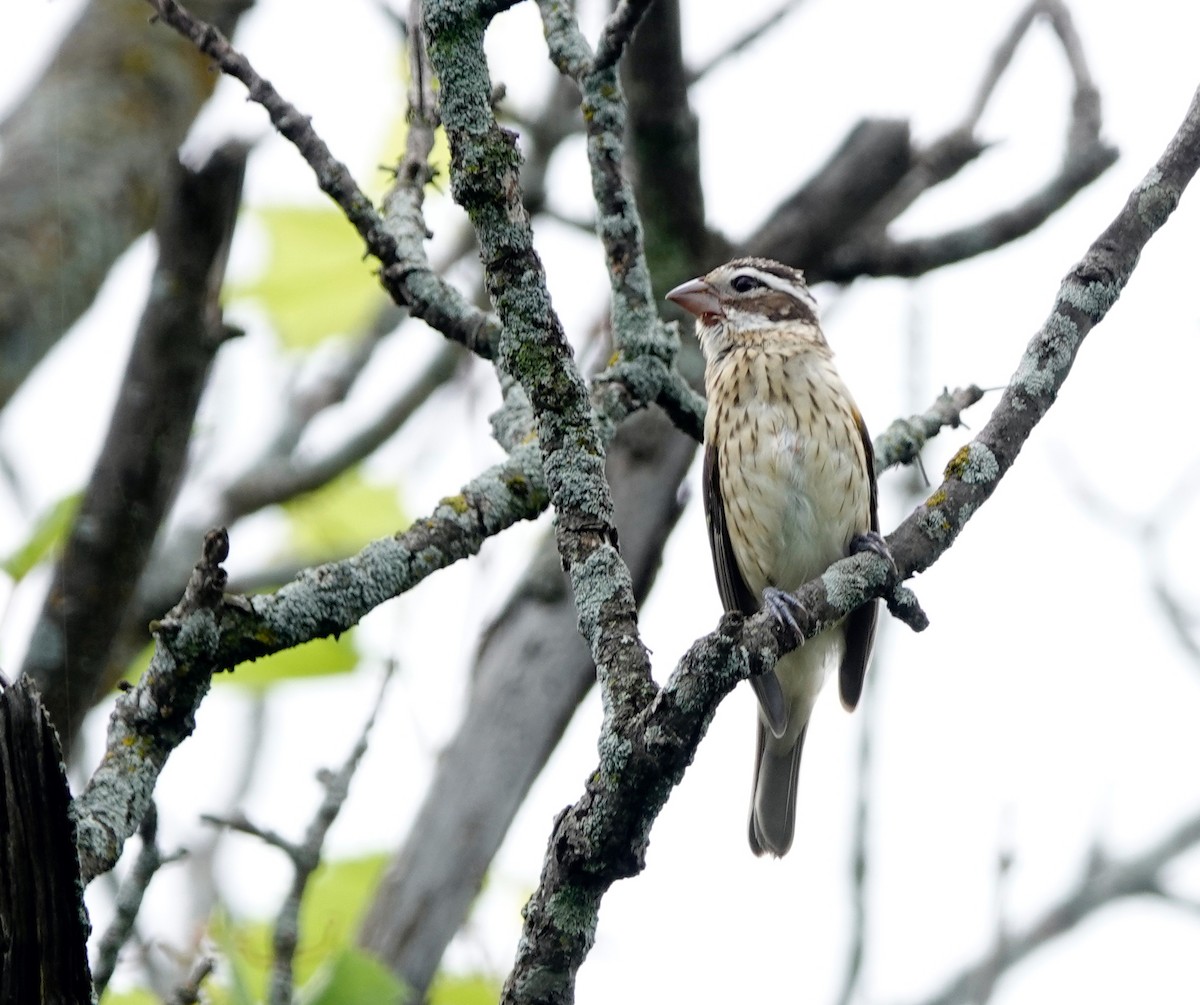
x,y
246,952
343,516
318,658
47,534
330,914
337,899
351,978
317,282
470,989
133,996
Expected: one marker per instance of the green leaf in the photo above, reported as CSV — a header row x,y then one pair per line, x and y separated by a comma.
x,y
351,978
466,989
132,996
325,962
45,538
337,899
318,658
317,282
342,516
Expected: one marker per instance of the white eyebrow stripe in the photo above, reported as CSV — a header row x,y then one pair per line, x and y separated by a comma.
x,y
798,291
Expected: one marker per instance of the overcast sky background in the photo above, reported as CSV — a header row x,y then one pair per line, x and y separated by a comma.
x,y
1046,708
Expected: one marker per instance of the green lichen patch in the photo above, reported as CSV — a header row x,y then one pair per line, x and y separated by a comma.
x,y
974,464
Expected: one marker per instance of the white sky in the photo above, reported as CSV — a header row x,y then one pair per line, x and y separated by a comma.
x,y
1046,708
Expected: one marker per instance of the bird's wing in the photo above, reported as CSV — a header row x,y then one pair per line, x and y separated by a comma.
x,y
860,626
735,594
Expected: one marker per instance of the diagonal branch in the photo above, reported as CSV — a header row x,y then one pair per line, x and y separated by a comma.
x,y
618,31
1139,875
1085,158
602,838
408,280
141,462
305,855
206,634
534,350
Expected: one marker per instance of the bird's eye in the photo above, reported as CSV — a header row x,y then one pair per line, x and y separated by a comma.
x,y
745,283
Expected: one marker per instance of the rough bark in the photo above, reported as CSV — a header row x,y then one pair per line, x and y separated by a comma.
x,y
43,924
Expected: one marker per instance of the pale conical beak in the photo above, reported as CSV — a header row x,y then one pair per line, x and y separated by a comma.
x,y
697,297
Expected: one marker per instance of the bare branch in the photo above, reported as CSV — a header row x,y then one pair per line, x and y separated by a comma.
x,y
288,478
137,472
188,993
305,856
1097,888
129,900
744,40
1086,157
859,841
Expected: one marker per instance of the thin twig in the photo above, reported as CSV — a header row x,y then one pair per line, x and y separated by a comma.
x,y
618,30
408,280
305,855
129,901
188,993
1101,883
744,40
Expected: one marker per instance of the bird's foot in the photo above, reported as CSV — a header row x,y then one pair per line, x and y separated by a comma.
x,y
901,601
784,608
874,543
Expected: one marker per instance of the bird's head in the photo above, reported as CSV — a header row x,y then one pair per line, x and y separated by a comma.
x,y
748,297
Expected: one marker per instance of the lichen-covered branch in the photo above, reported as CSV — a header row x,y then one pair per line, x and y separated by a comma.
x,y
408,280
637,331
902,441
602,838
206,634
485,172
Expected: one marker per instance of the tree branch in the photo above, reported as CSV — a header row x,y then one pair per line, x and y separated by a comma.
x,y
305,856
407,279
140,464
205,635
602,838
86,156
1085,158
533,349
129,901
1097,888
744,40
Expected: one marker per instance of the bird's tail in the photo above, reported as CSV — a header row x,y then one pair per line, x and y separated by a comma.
x,y
773,801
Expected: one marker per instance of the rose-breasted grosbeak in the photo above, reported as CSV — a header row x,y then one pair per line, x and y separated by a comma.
x,y
789,488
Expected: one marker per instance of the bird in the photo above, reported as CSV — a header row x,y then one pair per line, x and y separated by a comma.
x,y
788,488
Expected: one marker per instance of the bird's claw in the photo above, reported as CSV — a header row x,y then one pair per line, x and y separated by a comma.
x,y
874,543
784,607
